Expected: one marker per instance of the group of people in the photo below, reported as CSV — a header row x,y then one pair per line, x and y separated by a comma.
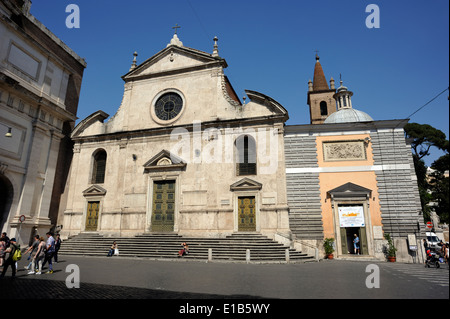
x,y
114,250
41,251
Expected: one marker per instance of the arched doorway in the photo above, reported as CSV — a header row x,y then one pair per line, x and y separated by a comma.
x,y
7,194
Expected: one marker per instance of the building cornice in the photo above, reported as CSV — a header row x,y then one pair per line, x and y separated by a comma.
x,y
313,129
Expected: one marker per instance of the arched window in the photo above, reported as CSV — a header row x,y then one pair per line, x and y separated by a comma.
x,y
323,108
245,156
99,168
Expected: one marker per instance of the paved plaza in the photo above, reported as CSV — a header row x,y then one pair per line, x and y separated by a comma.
x,y
129,278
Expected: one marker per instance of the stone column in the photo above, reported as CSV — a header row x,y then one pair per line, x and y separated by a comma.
x,y
42,215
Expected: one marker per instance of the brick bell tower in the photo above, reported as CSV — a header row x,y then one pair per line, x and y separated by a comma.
x,y
320,96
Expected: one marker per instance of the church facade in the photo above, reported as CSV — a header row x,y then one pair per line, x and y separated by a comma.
x,y
349,176
182,154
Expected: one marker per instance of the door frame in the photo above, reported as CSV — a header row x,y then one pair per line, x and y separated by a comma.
x,y
368,225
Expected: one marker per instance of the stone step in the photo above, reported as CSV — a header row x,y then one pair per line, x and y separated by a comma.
x,y
162,246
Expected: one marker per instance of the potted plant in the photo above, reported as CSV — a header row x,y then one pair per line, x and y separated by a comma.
x,y
328,245
390,250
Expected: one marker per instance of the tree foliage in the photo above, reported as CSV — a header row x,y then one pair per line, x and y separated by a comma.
x,y
439,187
434,189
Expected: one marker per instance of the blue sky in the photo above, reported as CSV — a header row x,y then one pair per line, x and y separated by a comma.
x,y
270,48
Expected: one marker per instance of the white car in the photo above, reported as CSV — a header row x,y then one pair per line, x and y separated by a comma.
x,y
433,240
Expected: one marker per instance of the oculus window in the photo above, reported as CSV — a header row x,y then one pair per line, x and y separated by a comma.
x,y
168,106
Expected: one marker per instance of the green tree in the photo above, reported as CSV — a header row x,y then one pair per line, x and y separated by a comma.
x,y
439,187
431,190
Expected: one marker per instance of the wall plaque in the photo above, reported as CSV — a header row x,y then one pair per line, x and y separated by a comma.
x,y
344,151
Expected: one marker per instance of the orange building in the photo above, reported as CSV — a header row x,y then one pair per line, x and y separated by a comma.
x,y
350,176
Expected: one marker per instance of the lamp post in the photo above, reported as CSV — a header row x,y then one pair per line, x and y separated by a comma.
x,y
9,133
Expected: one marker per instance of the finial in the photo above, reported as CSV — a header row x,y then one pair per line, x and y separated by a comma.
x,y
216,47
134,64
310,85
317,55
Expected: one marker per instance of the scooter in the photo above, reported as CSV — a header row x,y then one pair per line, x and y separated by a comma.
x,y
433,260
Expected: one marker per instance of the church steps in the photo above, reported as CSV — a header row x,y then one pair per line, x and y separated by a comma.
x,y
166,246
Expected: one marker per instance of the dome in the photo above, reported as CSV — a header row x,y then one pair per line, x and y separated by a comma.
x,y
348,115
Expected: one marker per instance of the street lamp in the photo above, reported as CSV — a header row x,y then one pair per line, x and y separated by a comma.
x,y
9,133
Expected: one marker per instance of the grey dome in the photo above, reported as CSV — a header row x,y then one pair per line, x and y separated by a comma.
x,y
348,115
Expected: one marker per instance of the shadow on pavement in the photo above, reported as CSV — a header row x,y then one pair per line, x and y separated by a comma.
x,y
21,288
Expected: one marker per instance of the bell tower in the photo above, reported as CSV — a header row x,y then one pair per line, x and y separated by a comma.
x,y
320,95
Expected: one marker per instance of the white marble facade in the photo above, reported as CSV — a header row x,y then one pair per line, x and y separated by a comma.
x,y
180,122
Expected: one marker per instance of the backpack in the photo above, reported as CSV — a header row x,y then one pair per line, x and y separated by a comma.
x,y
17,254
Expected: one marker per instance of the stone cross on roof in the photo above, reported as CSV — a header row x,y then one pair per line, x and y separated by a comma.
x,y
176,27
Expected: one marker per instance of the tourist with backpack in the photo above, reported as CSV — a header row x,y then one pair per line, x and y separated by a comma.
x,y
15,254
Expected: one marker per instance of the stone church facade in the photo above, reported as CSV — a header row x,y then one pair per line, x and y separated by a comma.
x,y
182,154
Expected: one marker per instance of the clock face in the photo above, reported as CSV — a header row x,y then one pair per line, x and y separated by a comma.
x,y
168,106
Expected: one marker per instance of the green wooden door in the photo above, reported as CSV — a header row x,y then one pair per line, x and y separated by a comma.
x,y
344,245
163,211
364,249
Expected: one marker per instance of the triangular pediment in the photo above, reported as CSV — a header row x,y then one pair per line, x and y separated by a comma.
x,y
172,60
95,190
246,184
350,190
164,160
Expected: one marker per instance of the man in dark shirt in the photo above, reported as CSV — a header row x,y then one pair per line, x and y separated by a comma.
x,y
10,262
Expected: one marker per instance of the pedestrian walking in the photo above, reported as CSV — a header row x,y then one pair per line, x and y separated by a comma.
x,y
58,242
32,250
2,251
38,258
425,246
10,261
6,239
50,251
356,244
446,253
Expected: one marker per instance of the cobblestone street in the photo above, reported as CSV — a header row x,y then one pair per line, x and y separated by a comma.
x,y
120,278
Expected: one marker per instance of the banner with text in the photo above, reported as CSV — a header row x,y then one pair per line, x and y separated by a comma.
x,y
351,216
